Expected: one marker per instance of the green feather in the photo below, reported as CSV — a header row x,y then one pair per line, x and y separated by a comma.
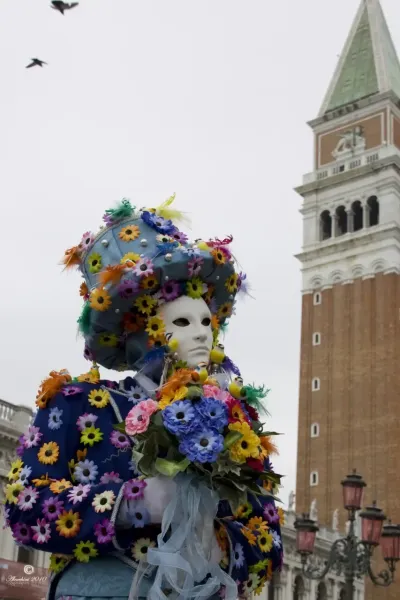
x,y
84,319
121,211
253,395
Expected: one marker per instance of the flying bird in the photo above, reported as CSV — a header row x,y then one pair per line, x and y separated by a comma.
x,y
36,62
63,6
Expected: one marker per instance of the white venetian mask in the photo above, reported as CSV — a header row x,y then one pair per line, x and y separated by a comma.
x,y
188,320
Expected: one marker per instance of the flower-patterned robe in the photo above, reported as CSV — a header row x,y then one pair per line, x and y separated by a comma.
x,y
74,469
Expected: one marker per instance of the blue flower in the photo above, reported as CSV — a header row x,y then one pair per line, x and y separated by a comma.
x,y
167,247
277,539
140,516
158,223
86,471
203,445
179,417
238,556
55,418
191,252
214,412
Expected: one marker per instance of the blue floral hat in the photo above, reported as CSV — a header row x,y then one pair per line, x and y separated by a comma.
x,y
138,260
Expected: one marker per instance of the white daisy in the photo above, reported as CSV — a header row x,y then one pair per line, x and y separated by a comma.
x,y
103,501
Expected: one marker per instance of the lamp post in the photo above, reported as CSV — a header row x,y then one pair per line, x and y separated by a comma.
x,y
349,555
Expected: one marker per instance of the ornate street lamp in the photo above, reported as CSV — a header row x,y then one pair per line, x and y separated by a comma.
x,y
351,556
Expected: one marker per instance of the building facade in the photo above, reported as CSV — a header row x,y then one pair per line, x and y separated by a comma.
x,y
14,421
349,412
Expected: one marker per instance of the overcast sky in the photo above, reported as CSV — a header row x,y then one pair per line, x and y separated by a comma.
x,y
142,99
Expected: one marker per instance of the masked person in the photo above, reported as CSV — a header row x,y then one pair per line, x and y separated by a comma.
x,y
154,304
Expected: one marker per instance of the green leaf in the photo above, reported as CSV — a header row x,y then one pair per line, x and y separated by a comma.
x,y
120,427
231,438
171,468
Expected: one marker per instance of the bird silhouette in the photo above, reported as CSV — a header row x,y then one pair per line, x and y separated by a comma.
x,y
36,62
63,6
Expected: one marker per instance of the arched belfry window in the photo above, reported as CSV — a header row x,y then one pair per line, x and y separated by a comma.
x,y
373,208
358,215
341,220
325,225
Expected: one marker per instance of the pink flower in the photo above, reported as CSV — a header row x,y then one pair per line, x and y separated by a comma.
x,y
134,489
212,391
112,476
149,406
42,531
138,418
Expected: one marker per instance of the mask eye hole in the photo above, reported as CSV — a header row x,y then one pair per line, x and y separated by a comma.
x,y
181,322
206,321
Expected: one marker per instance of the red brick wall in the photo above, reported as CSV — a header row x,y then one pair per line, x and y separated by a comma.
x,y
358,405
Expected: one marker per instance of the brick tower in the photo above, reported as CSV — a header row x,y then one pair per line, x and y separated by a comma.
x,y
349,406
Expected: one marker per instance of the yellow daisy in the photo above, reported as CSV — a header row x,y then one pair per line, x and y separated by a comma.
x,y
265,541
91,435
231,283
57,563
13,490
247,446
68,524
225,310
219,256
48,453
99,398
140,548
149,282
15,470
100,299
94,261
249,535
93,376
130,257
129,233
281,514
145,304
244,511
257,524
103,501
155,327
195,288
59,486
108,339
84,551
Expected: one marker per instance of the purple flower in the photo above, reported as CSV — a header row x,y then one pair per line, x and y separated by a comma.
x,y
108,220
52,508
158,223
110,477
71,390
104,531
179,417
195,265
170,290
27,498
214,413
32,438
128,288
238,556
87,240
21,446
86,420
86,471
78,493
119,439
203,445
134,489
21,532
55,415
144,267
179,236
140,517
271,514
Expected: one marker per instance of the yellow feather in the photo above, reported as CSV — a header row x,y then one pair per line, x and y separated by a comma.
x,y
169,213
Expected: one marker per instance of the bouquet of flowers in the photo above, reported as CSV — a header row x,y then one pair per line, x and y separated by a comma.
x,y
197,427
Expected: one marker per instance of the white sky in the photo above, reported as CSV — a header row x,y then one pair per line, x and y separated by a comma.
x,y
141,99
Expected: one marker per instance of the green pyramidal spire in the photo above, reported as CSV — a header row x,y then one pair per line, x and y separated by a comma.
x,y
368,64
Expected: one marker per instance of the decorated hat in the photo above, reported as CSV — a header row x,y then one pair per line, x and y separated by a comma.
x,y
138,260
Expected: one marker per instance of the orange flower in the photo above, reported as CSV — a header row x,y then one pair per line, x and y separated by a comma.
x,y
59,486
219,256
72,257
257,524
251,538
81,454
68,524
129,233
42,481
83,290
281,516
51,386
133,322
214,322
100,299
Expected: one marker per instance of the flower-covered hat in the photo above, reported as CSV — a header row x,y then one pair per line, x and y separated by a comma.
x,y
137,261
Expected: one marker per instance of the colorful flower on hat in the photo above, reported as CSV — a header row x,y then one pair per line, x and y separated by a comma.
x,y
194,266
231,283
149,282
108,339
104,531
48,453
130,257
170,291
141,547
59,486
86,420
22,533
84,551
129,233
90,436
225,310
145,304
13,491
100,299
24,475
27,498
57,563
144,267
179,236
133,322
15,470
134,489
158,223
78,493
140,517
119,439
32,437
86,241
218,256
99,398
155,327
55,415
42,531
103,501
95,263
110,477
86,471
128,288
52,508
195,288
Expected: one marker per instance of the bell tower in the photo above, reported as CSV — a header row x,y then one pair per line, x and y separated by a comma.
x,y
349,402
